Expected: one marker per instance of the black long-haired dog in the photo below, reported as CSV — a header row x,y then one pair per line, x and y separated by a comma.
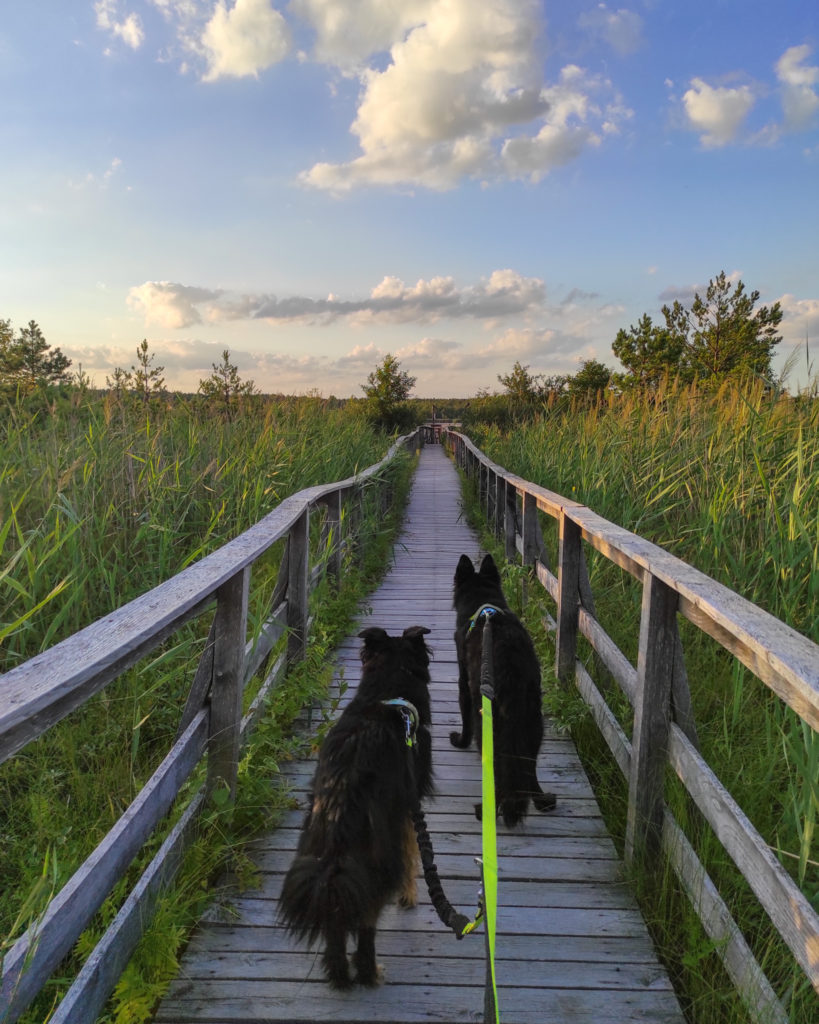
x,y
357,848
517,712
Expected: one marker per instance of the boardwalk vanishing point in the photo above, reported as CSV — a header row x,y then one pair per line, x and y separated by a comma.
x,y
572,945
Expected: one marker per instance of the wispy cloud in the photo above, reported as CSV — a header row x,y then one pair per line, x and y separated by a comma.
x,y
621,29
124,26
503,293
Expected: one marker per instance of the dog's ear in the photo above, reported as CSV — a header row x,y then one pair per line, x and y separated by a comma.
x,y
489,570
416,632
373,636
464,570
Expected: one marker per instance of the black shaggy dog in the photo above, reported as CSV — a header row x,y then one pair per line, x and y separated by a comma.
x,y
357,847
516,712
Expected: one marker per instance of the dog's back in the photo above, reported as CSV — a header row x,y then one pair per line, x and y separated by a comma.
x,y
351,856
517,708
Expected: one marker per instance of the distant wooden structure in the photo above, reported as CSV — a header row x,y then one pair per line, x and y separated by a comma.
x,y
575,947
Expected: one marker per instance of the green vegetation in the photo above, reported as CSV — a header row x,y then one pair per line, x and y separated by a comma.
x,y
27,361
387,389
728,480
101,499
721,335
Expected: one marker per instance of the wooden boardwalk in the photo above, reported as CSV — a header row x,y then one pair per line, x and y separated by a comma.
x,y
572,946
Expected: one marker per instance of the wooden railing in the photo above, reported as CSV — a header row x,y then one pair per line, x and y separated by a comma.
x,y
663,729
39,693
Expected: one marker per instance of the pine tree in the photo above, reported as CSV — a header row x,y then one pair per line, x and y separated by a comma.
x,y
225,387
146,381
28,362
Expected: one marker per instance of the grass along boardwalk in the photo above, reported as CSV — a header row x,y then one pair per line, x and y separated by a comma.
x,y
571,946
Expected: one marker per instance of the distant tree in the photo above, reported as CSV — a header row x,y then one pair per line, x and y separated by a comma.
x,y
146,381
27,361
521,386
119,382
720,335
590,381
649,352
387,389
723,334
224,386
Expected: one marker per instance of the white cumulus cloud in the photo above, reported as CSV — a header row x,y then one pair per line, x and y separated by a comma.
x,y
244,39
456,100
169,305
798,83
717,112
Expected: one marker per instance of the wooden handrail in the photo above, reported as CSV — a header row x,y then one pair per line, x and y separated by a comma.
x,y
785,660
36,695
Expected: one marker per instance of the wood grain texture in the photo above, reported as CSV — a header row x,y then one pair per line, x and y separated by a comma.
x,y
572,946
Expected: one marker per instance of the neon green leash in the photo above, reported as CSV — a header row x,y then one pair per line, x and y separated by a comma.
x,y
488,814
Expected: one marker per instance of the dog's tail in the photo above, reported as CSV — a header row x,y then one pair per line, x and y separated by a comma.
x,y
319,895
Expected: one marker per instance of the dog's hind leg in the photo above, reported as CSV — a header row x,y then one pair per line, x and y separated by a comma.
x,y
542,800
336,966
367,970
462,739
408,896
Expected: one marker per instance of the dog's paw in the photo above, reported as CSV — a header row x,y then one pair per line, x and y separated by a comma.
x,y
408,899
371,979
545,801
340,981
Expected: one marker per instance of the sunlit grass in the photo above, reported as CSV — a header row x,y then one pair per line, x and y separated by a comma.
x,y
99,503
729,482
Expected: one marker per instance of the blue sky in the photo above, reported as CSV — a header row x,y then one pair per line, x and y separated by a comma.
x,y
315,183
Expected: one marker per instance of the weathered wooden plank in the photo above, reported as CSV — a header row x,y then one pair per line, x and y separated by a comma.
x,y
749,980
602,949
226,691
261,1000
652,714
34,956
442,970
786,905
568,604
101,971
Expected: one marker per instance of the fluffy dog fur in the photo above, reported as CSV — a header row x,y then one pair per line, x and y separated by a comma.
x,y
517,709
357,848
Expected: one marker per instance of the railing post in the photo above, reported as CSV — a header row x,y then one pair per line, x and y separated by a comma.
x,y
331,534
510,521
483,484
530,530
649,743
297,587
568,605
500,505
229,634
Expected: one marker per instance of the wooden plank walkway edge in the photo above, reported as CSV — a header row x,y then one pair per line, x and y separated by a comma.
x,y
572,945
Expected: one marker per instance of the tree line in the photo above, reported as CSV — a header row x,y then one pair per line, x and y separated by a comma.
x,y
722,335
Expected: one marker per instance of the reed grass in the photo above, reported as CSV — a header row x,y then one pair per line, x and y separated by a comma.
x,y
729,482
98,503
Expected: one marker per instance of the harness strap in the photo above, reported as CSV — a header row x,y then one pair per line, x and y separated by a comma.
x,y
485,611
409,713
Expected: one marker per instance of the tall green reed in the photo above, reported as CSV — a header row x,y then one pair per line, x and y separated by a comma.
x,y
729,482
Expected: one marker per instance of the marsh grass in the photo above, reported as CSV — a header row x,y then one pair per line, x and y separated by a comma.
x,y
729,482
97,505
